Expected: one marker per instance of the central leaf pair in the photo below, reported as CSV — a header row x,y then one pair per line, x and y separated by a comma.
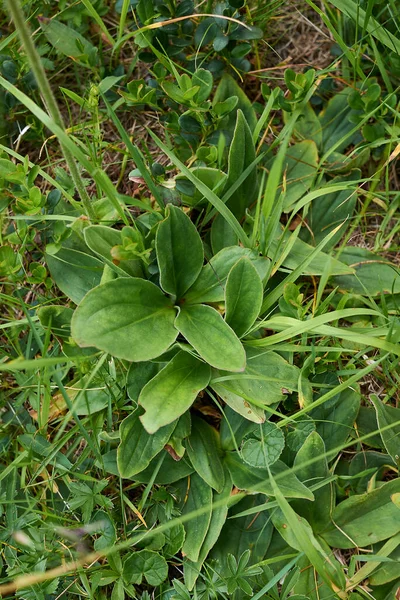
x,y
133,320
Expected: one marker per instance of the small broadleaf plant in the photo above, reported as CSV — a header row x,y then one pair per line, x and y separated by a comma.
x,y
137,320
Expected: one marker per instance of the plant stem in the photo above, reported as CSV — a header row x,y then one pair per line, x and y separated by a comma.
x,y
48,98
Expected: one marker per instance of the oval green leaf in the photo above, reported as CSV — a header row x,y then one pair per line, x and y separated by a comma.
x,y
214,340
173,390
138,375
75,272
101,240
242,154
388,418
243,296
129,318
204,80
243,407
66,40
219,515
264,381
179,252
366,519
204,449
222,234
210,285
137,448
335,418
256,480
200,497
300,167
171,471
311,467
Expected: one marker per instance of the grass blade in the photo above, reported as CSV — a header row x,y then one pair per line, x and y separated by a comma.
x,y
357,14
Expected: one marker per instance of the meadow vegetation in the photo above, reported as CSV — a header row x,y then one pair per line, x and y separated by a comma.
x,y
200,300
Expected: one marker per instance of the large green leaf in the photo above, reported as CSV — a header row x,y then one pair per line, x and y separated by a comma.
x,y
242,154
374,274
300,168
243,296
137,448
335,418
311,467
179,252
66,40
367,424
101,239
244,533
199,496
138,375
389,416
211,337
300,251
228,88
222,235
255,480
129,318
171,471
173,390
243,407
264,381
366,519
74,272
329,211
234,429
210,285
191,570
337,124
204,449
308,126
215,179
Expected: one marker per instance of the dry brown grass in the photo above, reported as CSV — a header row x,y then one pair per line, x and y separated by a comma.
x,y
296,37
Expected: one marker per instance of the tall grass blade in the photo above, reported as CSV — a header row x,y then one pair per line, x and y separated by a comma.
x,y
358,15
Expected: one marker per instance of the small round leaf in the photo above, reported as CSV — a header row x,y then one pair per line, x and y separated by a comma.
x,y
147,564
265,447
